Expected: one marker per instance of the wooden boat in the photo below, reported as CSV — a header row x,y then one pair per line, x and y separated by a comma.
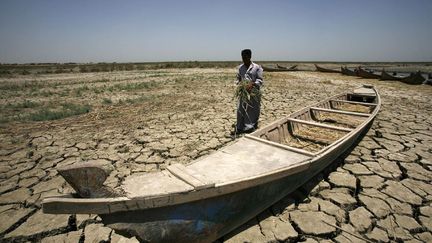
x,y
349,72
386,76
414,78
292,68
325,70
206,199
279,68
365,74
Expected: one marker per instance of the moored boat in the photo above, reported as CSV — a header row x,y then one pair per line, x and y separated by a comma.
x,y
386,76
325,70
348,72
414,78
292,68
204,200
279,68
365,74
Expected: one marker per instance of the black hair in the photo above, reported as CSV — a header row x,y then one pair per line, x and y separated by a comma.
x,y
246,52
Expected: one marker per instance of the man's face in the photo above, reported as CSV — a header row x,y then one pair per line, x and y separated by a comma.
x,y
246,59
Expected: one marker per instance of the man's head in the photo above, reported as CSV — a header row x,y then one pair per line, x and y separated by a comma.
x,y
246,56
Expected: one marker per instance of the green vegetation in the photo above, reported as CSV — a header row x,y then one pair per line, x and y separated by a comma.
x,y
135,86
107,101
66,110
22,105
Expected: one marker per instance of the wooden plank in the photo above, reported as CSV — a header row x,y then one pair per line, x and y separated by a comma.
x,y
297,150
316,124
351,113
355,102
180,172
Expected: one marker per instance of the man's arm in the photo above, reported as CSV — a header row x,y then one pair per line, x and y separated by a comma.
x,y
238,76
259,80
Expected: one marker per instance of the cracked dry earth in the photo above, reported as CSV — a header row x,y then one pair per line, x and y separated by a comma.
x,y
381,191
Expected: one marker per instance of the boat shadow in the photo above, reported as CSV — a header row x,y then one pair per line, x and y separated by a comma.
x,y
292,200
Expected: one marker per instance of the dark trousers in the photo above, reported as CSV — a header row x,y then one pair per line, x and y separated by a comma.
x,y
248,113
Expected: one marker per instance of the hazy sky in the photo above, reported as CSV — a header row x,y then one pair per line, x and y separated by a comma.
x,y
161,30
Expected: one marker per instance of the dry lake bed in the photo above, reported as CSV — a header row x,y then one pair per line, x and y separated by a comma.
x,y
143,121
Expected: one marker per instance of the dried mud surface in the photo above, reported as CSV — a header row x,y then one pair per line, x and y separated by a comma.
x,y
381,191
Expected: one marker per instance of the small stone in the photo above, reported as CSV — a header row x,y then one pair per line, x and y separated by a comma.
x,y
406,222
39,223
399,207
390,167
96,233
73,236
377,206
340,179
12,216
312,205
401,234
55,183
376,168
403,194
143,158
387,223
401,157
313,223
310,240
360,218
426,211
352,159
340,196
27,182
155,159
392,146
372,181
345,237
425,236
358,169
273,228
420,188
426,222
331,209
416,171
245,233
9,184
17,196
82,146
378,235
369,144
116,238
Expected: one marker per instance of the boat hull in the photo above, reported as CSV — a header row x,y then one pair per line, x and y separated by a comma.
x,y
325,70
280,69
209,219
348,72
414,78
365,74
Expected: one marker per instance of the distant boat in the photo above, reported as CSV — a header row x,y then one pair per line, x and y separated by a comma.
x,y
414,78
279,68
365,74
386,76
326,70
209,197
348,72
292,68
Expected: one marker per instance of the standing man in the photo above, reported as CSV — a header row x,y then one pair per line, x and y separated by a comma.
x,y
248,110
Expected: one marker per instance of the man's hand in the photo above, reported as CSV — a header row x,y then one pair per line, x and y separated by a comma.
x,y
250,86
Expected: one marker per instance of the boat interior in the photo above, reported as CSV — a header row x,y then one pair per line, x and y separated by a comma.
x,y
316,127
